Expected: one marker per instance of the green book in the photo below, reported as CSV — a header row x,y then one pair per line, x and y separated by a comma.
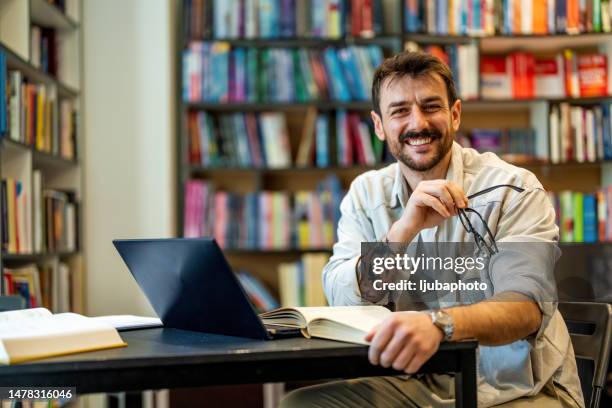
x,y
596,15
300,87
578,217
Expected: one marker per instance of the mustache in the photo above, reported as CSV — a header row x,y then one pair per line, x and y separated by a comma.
x,y
433,133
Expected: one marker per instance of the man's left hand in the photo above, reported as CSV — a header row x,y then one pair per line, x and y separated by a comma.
x,y
404,341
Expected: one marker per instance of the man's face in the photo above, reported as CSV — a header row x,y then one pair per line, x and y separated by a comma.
x,y
417,121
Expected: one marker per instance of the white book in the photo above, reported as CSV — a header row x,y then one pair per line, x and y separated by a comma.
x,y
599,132
15,105
32,334
127,322
577,130
526,16
251,18
342,323
366,142
590,135
35,39
554,136
551,16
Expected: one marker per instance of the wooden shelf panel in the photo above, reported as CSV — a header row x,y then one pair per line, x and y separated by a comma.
x,y
47,15
15,62
36,257
42,159
391,40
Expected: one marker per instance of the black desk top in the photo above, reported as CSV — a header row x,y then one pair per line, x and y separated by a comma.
x,y
200,358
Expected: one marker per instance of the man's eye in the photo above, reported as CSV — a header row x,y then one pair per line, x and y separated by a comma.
x,y
431,108
399,111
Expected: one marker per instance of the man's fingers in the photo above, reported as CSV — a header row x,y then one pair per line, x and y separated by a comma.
x,y
372,332
404,358
458,194
442,193
434,203
416,362
395,346
379,342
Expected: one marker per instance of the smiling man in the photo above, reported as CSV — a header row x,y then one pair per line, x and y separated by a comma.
x,y
525,355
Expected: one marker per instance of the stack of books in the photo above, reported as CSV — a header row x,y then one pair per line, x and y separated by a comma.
x,y
511,17
524,75
283,18
264,219
215,72
300,282
580,133
516,145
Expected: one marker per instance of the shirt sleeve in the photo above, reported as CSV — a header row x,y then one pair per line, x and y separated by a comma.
x,y
527,238
339,275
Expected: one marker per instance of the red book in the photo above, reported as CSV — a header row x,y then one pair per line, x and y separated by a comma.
x,y
354,138
593,75
367,29
523,75
357,16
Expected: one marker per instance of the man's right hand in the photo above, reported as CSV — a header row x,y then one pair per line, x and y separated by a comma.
x,y
431,202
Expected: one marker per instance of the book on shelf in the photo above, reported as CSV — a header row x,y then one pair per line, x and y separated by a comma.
x,y
257,292
300,282
342,323
264,219
524,75
216,72
580,133
4,91
516,145
15,203
584,217
511,17
32,334
283,18
60,224
461,59
43,49
52,285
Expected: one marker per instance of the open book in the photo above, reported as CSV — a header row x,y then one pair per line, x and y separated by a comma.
x,y
31,334
342,323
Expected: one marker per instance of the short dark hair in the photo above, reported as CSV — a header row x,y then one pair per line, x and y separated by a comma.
x,y
414,64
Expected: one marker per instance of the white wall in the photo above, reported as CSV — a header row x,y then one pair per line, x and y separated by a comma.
x,y
129,141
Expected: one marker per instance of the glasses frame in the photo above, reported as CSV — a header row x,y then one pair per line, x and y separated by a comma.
x,y
481,243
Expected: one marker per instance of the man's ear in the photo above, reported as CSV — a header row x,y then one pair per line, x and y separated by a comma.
x,y
456,115
378,127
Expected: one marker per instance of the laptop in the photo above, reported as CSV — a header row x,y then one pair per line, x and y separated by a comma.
x,y
191,286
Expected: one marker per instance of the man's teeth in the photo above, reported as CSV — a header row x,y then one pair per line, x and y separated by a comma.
x,y
419,141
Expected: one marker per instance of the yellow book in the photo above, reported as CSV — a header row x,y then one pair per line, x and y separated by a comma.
x,y
33,334
313,286
40,118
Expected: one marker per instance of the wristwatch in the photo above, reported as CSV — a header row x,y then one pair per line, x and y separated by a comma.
x,y
444,322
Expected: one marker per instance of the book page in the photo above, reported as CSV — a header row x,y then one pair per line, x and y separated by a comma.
x,y
49,325
348,315
124,322
19,315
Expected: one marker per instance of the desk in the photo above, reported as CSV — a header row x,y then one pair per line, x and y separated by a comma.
x,y
170,358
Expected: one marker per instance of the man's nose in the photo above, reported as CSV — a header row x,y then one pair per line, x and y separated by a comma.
x,y
417,120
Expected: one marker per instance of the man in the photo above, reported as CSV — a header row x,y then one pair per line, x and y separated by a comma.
x,y
525,353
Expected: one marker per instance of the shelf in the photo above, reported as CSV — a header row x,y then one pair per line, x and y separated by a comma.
x,y
194,169
275,106
40,158
504,43
36,257
34,74
393,40
48,15
470,104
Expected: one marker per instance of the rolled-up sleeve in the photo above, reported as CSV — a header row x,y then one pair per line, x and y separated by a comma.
x,y
527,237
339,275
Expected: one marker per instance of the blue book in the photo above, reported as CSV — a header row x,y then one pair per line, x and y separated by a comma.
x,y
348,60
240,75
268,18
219,70
590,218
412,15
251,77
561,21
507,17
442,17
341,136
322,140
319,18
376,55
339,87
607,135
287,18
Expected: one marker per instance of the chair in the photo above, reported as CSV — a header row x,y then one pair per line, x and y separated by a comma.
x,y
594,345
11,303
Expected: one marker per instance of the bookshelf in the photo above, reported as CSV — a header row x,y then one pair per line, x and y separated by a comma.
x,y
478,112
41,150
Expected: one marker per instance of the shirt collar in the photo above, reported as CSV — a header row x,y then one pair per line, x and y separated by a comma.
x,y
401,189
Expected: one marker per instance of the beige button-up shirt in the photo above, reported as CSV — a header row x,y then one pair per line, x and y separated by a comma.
x,y
376,199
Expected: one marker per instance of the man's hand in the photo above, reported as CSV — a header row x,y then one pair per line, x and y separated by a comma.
x,y
404,341
431,202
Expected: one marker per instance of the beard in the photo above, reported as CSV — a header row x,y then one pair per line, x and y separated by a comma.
x,y
441,143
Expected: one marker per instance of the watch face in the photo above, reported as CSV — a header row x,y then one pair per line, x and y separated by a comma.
x,y
443,318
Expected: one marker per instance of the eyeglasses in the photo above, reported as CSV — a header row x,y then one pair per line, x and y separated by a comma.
x,y
481,242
